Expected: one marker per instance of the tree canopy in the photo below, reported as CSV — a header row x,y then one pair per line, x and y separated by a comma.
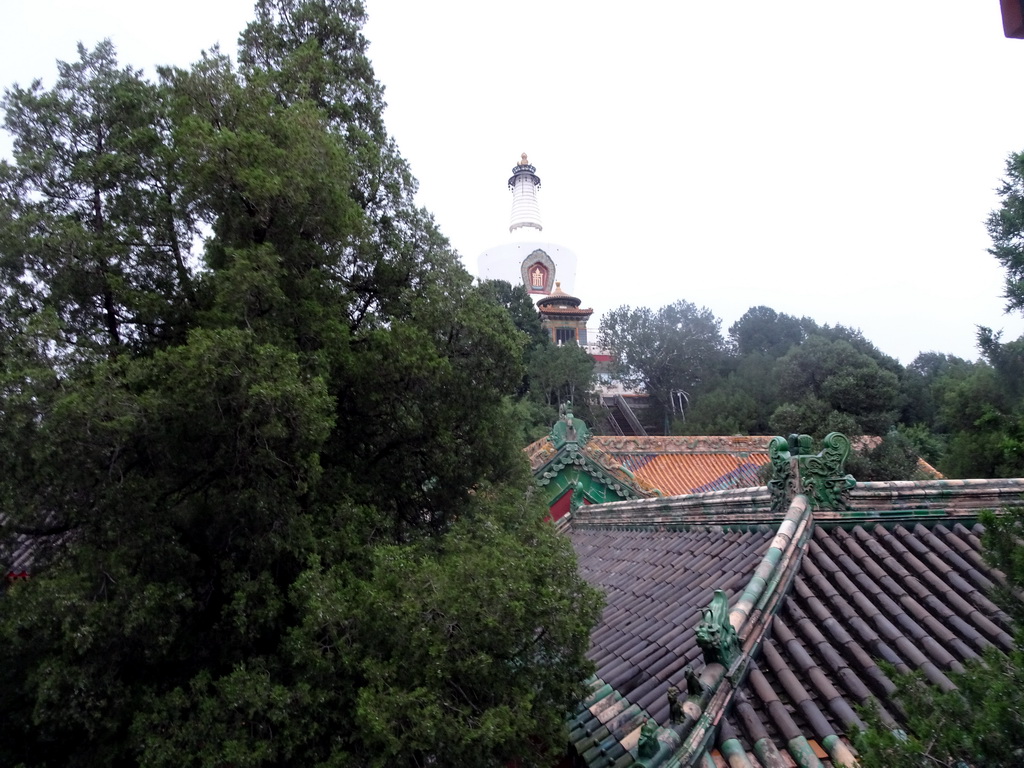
x,y
255,422
664,351
1006,228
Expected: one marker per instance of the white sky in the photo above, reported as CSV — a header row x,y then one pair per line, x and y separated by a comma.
x,y
834,160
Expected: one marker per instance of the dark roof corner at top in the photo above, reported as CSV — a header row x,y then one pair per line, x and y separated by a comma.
x,y
746,631
1013,17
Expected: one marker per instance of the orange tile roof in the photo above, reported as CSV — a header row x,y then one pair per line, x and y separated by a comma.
x,y
689,464
678,473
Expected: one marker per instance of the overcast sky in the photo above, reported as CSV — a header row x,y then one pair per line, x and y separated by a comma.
x,y
834,160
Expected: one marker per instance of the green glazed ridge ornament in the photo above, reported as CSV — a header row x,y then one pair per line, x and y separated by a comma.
x,y
716,634
568,428
819,476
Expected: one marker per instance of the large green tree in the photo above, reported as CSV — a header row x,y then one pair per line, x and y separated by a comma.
x,y
763,330
276,509
822,377
96,232
665,351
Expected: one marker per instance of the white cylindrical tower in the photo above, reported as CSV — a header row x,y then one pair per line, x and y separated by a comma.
x,y
525,209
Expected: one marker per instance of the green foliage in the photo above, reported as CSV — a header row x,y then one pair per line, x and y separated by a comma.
x,y
978,409
849,381
813,416
554,374
96,231
926,383
561,374
978,723
724,410
764,331
895,457
674,348
1002,542
277,495
784,374
924,443
1006,228
520,307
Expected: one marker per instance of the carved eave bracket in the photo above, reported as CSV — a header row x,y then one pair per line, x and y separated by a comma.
x,y
820,476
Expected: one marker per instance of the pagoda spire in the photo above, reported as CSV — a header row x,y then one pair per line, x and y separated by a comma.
x,y
524,185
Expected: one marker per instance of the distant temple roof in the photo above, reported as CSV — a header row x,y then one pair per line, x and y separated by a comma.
x,y
682,464
678,465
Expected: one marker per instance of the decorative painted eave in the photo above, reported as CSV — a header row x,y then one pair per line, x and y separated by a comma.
x,y
616,480
562,462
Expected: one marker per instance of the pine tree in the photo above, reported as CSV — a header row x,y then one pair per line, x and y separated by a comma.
x,y
276,506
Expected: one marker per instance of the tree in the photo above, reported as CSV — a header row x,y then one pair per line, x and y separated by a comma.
x,y
561,374
96,230
279,517
1006,228
848,381
982,409
763,330
673,348
521,308
924,382
894,457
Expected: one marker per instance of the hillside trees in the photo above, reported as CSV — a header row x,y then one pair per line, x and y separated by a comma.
x,y
832,385
276,506
980,407
561,374
663,351
764,331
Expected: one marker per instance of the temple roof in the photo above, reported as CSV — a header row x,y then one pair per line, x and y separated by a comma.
x,y
676,465
818,596
558,299
669,466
